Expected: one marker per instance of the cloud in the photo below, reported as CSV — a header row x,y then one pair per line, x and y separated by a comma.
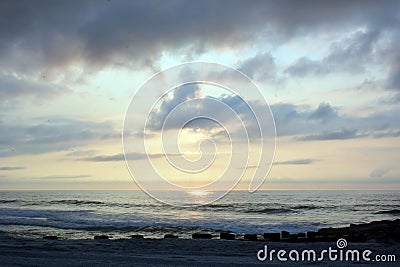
x,y
304,122
80,153
324,112
260,67
336,135
115,32
379,172
349,55
180,95
389,133
370,46
14,88
327,123
11,168
130,156
295,162
392,100
228,109
117,157
53,134
391,55
304,66
34,36
55,177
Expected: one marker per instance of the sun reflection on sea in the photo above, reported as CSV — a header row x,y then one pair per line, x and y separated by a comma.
x,y
198,193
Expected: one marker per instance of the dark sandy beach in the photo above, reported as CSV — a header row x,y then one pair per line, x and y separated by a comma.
x,y
170,252
17,251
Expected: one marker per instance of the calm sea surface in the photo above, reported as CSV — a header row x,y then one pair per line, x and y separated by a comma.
x,y
82,214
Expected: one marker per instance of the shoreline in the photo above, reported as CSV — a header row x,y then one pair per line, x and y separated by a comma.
x,y
381,238
379,231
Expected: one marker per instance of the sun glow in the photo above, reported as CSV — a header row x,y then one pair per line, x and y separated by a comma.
x,y
199,193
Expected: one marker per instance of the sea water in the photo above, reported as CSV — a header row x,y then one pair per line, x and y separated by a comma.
x,y
119,214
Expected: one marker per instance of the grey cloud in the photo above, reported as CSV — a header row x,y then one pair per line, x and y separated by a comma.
x,y
304,66
36,35
328,124
352,55
335,135
120,157
11,168
180,95
116,32
66,131
393,79
13,88
80,153
295,162
53,134
117,157
289,162
379,172
394,99
141,134
389,133
322,123
260,67
392,57
292,120
375,45
50,177
355,181
324,112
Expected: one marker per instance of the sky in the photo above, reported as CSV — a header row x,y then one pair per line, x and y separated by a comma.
x,y
329,70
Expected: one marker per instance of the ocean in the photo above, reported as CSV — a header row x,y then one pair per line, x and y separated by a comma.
x,y
120,214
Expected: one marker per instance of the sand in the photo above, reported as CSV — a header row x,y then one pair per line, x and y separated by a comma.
x,y
15,251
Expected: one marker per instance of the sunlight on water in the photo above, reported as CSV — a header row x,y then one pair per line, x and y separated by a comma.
x,y
120,214
198,193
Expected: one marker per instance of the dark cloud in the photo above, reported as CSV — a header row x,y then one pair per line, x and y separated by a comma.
x,y
11,168
180,95
324,113
295,162
46,33
393,79
392,57
42,34
293,120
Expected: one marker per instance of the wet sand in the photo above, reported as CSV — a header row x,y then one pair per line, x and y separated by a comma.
x,y
15,251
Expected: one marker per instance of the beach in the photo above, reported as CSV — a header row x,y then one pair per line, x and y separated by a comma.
x,y
107,228
167,252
